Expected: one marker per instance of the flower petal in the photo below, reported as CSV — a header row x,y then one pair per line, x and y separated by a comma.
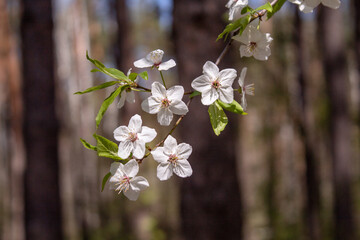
x,y
125,148
262,54
183,151
114,167
158,90
164,117
139,183
170,145
151,105
178,107
211,70
201,84
143,63
147,134
242,77
131,194
158,155
135,123
227,77
131,168
335,4
209,97
175,93
139,149
183,169
155,56
122,99
164,171
245,51
226,94
121,133
130,97
167,65
243,102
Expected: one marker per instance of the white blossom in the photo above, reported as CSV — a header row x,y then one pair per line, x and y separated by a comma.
x,y
127,94
154,59
215,85
308,6
165,103
133,138
235,7
255,43
248,89
123,179
172,158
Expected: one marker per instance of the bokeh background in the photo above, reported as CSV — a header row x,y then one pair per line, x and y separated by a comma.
x,y
288,170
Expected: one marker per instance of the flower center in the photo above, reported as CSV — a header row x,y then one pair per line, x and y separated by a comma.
x,y
132,137
156,57
252,46
173,159
215,84
165,103
123,184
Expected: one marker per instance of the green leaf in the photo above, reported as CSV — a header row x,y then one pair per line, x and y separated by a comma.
x,y
194,94
218,118
144,75
267,6
246,9
112,72
234,107
240,24
101,86
106,148
107,102
88,145
105,179
133,76
277,6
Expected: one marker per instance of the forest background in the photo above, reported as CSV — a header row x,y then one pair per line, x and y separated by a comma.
x,y
290,169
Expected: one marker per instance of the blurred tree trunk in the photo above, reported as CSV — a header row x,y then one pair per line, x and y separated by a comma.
x,y
42,200
211,206
312,214
356,4
330,26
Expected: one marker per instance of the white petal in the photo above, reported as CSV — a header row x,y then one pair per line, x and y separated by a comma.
x,y
147,134
139,183
245,51
167,65
170,145
183,169
209,97
201,84
226,94
183,150
164,171
143,63
262,54
121,133
178,107
227,77
243,102
135,123
158,90
114,166
131,168
151,105
211,70
113,180
125,148
242,77
243,38
132,194
158,155
164,117
122,99
332,3
155,56
175,93
139,149
130,97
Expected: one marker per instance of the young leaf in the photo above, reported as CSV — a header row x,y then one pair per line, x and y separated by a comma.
x,y
112,72
240,24
105,179
144,75
277,6
88,145
267,6
246,9
218,118
194,94
107,103
133,76
101,86
106,148
234,107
